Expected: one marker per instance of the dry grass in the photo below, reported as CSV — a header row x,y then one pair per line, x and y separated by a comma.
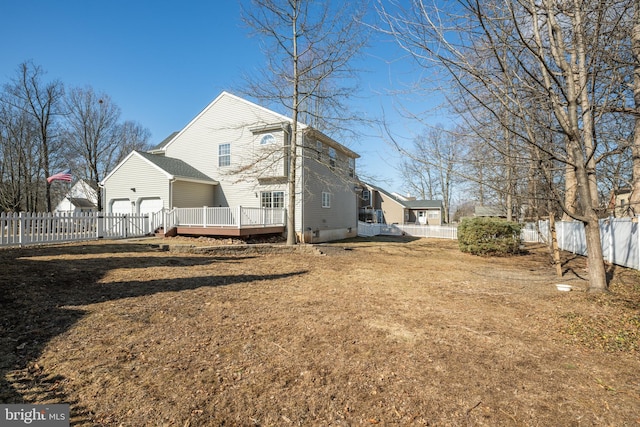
x,y
389,332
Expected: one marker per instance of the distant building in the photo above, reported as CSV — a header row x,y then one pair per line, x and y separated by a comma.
x,y
82,197
377,205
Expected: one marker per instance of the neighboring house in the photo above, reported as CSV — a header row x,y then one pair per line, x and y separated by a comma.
x,y
489,212
82,197
619,205
234,154
379,206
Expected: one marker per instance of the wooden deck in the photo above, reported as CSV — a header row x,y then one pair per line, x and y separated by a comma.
x,y
228,231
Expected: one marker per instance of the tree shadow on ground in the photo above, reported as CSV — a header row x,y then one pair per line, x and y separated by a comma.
x,y
38,296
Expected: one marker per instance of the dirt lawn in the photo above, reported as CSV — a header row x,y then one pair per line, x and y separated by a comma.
x,y
372,332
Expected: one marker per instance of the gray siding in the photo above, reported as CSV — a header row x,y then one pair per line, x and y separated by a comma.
x,y
319,177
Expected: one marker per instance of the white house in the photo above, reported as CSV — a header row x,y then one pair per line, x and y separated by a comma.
x,y
82,197
234,154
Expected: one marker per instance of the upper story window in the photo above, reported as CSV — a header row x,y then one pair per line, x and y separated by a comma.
x,y
332,157
352,167
365,195
319,149
267,139
224,155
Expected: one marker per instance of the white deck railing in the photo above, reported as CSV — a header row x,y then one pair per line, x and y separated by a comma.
x,y
237,217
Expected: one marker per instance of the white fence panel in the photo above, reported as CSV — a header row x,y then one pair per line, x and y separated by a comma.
x,y
620,240
21,229
434,231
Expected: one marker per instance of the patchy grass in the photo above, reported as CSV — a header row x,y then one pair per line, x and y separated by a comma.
x,y
390,332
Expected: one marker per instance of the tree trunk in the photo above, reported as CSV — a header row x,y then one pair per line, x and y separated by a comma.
x,y
597,273
634,200
554,244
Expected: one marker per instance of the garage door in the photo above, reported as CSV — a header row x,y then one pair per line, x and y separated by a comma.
x,y
151,205
121,206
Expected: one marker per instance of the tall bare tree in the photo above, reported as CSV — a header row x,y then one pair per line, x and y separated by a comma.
x,y
522,56
95,138
309,48
42,103
431,167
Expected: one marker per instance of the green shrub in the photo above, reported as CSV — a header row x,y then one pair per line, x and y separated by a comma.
x,y
489,236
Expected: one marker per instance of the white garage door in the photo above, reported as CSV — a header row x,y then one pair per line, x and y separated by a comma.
x,y
151,205
121,206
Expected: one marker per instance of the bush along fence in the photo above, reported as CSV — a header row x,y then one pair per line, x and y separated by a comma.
x,y
620,236
23,229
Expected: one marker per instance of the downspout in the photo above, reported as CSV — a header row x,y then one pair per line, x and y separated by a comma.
x,y
103,196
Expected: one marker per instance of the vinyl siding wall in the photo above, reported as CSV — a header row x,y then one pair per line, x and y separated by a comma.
x,y
191,194
136,173
393,212
227,121
335,221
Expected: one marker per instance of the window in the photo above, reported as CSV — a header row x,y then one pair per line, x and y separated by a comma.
x,y
272,199
267,139
365,195
326,200
224,155
332,157
434,214
352,166
319,148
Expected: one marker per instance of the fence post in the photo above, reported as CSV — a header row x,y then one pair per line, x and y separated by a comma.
x,y
204,216
239,216
637,224
610,240
22,224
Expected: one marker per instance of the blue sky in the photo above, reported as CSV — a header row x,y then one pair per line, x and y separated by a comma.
x,y
162,62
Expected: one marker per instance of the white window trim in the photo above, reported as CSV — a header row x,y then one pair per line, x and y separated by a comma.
x,y
223,156
326,200
267,139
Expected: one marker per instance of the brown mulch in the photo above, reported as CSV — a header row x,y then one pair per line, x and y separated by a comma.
x,y
364,332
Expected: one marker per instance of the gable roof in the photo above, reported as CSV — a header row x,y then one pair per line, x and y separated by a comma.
x,y
177,168
408,204
224,94
423,204
164,142
281,120
172,168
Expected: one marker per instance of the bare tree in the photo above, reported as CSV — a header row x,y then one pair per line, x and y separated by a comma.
x,y
95,138
431,167
309,48
635,60
19,166
518,57
42,103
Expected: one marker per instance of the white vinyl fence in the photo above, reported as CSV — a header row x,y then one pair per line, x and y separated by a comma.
x,y
22,229
620,236
620,240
